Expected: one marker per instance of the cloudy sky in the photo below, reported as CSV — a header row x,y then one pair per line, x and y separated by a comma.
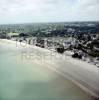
x,y
24,11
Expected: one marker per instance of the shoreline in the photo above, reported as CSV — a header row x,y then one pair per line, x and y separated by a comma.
x,y
71,62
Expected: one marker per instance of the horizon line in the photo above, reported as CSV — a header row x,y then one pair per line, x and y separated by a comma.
x,y
46,22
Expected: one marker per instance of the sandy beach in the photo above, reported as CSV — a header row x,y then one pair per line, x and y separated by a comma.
x,y
81,73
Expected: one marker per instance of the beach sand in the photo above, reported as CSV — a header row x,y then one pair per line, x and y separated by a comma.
x,y
81,73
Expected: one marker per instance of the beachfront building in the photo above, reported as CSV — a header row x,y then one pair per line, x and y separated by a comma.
x,y
11,34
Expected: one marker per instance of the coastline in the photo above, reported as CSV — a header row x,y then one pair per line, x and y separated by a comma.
x,y
56,66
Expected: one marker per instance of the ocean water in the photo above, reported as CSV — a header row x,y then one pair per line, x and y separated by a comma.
x,y
24,80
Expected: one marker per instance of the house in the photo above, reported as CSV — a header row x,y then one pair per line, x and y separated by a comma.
x,y
11,34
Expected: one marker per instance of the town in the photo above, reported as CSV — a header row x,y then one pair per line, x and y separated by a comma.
x,y
81,38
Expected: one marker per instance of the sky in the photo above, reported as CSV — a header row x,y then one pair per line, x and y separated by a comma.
x,y
28,11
